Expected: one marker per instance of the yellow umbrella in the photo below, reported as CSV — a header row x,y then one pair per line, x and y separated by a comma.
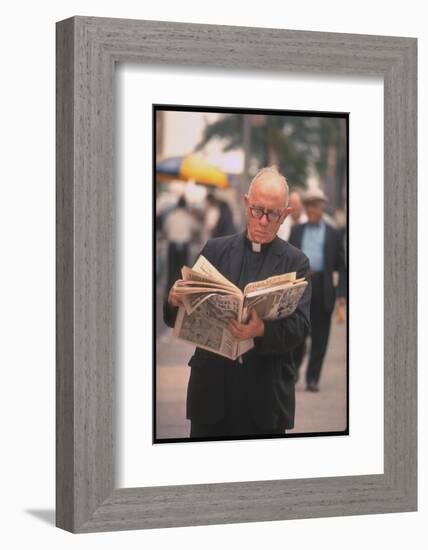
x,y
191,167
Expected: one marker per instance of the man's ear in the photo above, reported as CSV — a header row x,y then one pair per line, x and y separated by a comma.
x,y
246,201
287,211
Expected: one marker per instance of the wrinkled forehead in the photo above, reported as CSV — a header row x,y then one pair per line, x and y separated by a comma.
x,y
268,192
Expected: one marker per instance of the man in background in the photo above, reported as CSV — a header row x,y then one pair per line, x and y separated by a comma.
x,y
323,245
297,214
179,228
219,218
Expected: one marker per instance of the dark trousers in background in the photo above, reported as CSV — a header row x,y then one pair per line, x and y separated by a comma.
x,y
320,331
178,255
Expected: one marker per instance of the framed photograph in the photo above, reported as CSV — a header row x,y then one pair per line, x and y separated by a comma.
x,y
111,472
201,178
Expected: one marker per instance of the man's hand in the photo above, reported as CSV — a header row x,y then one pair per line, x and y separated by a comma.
x,y
174,299
254,327
340,314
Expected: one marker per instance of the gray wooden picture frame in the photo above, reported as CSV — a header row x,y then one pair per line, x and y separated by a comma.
x,y
87,50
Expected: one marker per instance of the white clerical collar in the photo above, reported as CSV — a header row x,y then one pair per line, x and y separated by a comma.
x,y
257,247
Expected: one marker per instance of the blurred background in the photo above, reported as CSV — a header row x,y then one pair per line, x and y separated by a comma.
x,y
204,164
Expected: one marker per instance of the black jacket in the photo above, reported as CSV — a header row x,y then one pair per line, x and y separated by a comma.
x,y
334,260
269,365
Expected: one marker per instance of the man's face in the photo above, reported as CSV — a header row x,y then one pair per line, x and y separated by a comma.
x,y
295,202
268,194
314,211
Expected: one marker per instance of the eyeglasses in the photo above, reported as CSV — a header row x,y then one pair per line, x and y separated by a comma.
x,y
258,213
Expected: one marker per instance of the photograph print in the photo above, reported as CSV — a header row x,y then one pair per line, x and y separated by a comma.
x,y
251,268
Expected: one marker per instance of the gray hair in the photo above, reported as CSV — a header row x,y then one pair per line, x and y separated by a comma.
x,y
273,170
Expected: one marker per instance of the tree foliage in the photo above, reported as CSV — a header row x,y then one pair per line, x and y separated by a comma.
x,y
295,143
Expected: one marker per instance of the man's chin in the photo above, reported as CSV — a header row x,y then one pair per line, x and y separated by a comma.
x,y
262,239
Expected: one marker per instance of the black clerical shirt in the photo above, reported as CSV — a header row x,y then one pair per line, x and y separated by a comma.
x,y
252,263
238,416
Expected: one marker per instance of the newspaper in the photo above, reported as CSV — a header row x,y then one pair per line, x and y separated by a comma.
x,y
277,303
210,301
207,326
276,280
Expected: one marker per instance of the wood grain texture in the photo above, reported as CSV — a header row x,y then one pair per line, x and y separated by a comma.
x,y
87,49
64,279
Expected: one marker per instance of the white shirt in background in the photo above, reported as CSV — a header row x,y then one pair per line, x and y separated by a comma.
x,y
285,229
179,226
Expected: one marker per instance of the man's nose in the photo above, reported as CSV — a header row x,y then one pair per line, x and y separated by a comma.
x,y
264,220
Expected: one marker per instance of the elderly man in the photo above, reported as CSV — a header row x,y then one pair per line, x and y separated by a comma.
x,y
254,395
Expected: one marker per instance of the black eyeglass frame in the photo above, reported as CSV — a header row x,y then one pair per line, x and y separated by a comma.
x,y
267,213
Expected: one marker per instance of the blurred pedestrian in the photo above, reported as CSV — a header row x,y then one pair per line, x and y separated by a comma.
x,y
296,216
179,228
323,245
219,219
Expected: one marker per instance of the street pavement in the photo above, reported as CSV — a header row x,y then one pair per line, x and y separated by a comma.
x,y
324,411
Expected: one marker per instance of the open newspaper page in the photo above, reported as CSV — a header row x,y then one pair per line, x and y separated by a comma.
x,y
274,302
193,294
210,301
208,325
204,267
193,301
195,287
191,277
244,346
275,280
